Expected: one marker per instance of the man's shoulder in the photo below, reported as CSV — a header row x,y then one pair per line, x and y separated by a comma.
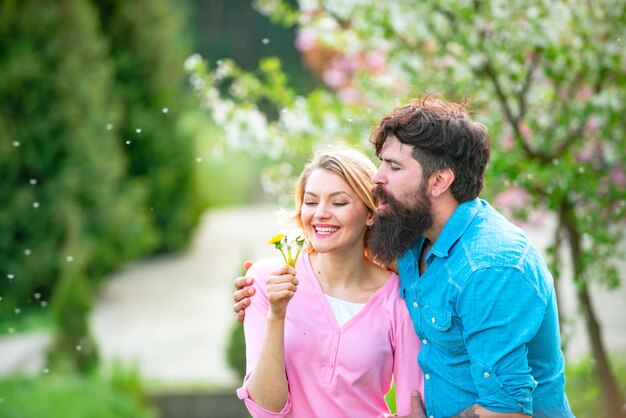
x,y
491,240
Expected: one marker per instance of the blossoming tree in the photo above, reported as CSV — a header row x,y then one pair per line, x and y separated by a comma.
x,y
547,78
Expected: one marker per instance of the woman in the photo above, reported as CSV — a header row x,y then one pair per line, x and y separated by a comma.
x,y
332,348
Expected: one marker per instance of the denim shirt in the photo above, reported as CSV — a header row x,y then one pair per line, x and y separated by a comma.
x,y
485,311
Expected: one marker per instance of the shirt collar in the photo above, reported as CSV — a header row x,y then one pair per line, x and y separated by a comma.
x,y
460,220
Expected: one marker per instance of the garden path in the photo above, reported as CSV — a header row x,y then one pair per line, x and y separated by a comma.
x,y
173,314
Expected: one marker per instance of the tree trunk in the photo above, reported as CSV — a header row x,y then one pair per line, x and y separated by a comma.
x,y
610,392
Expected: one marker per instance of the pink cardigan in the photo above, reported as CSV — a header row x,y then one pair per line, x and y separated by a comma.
x,y
336,371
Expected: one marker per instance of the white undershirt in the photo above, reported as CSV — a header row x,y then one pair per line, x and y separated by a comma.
x,y
342,309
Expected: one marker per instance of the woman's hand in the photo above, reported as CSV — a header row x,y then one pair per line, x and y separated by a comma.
x,y
281,287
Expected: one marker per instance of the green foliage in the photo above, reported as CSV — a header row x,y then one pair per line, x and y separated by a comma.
x,y
62,182
126,378
583,389
236,350
66,397
71,305
390,398
546,78
147,50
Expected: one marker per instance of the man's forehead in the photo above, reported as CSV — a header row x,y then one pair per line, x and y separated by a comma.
x,y
394,149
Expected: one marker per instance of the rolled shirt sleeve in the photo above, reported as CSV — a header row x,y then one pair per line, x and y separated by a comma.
x,y
499,319
256,410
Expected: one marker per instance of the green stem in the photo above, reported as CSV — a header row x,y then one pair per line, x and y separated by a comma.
x,y
283,254
296,257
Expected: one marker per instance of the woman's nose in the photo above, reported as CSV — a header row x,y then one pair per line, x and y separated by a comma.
x,y
321,211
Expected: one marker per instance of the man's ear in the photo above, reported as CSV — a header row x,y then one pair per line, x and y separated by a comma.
x,y
441,181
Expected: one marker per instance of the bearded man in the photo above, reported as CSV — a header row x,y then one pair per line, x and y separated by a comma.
x,y
480,296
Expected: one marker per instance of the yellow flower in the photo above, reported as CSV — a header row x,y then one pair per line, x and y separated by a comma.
x,y
292,243
276,239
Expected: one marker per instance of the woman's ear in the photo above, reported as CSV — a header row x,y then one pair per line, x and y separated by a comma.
x,y
441,181
370,220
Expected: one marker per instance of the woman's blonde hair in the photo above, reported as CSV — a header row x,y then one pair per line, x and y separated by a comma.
x,y
351,165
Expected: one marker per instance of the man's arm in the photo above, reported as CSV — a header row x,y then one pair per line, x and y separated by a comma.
x,y
477,411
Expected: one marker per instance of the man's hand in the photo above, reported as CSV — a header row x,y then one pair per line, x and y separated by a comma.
x,y
417,409
243,291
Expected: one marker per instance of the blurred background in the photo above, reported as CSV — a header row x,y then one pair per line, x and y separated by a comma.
x,y
147,147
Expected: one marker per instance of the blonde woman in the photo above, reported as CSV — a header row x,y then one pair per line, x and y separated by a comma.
x,y
326,338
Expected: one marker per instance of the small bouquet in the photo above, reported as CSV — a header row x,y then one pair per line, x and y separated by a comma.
x,y
292,243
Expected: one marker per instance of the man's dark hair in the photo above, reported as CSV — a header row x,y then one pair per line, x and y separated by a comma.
x,y
443,135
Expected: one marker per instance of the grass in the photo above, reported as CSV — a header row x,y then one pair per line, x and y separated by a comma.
x,y
64,396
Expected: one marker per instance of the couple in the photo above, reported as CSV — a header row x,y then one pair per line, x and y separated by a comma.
x,y
475,291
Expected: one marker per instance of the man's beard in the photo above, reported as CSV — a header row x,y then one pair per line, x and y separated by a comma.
x,y
399,226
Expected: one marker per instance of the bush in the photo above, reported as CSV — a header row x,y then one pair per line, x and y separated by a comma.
x,y
66,200
236,350
148,51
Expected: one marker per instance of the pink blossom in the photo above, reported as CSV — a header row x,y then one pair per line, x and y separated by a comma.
x,y
591,150
585,94
513,198
376,61
618,177
346,64
305,40
592,124
335,78
349,95
507,141
525,131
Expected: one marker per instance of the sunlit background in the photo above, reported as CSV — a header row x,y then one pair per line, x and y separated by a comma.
x,y
146,148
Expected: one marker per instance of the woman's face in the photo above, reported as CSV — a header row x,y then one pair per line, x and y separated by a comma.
x,y
332,215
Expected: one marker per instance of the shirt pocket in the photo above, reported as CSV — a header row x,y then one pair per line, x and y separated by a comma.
x,y
442,330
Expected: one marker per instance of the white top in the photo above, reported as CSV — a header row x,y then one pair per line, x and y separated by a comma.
x,y
342,309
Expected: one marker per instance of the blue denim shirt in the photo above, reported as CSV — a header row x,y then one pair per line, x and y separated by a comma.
x,y
485,310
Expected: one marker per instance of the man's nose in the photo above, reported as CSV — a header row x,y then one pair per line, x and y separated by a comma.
x,y
378,177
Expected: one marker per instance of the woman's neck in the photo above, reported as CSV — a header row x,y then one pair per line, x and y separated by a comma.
x,y
349,277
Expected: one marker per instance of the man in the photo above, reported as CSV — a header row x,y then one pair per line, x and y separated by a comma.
x,y
481,298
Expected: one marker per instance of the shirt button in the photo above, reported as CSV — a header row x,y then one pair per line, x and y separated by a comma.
x,y
427,376
332,349
424,341
433,320
415,304
330,366
486,375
